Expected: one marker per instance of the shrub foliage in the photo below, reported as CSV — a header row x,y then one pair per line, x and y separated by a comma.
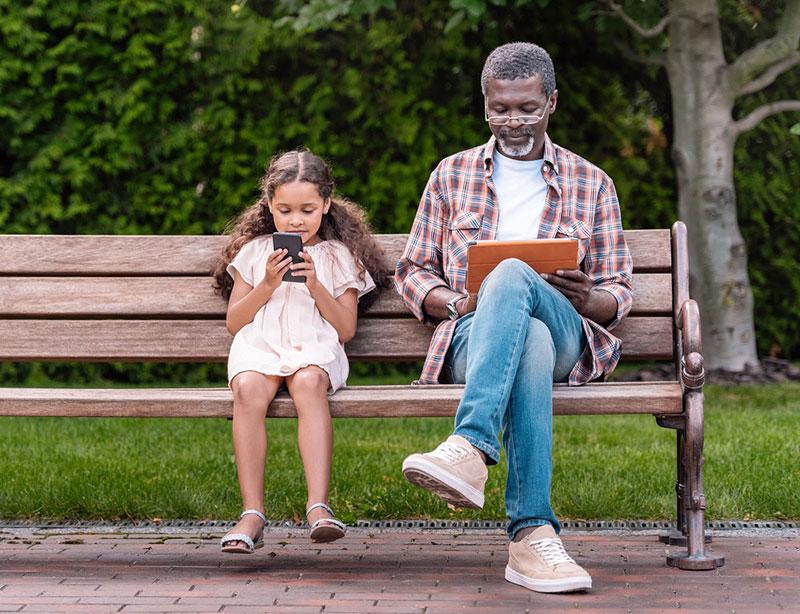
x,y
152,117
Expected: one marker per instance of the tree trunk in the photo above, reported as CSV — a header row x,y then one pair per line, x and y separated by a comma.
x,y
703,154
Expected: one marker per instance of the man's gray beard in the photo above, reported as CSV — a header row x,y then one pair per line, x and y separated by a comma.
x,y
516,152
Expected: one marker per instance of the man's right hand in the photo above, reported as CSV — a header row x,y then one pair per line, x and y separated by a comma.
x,y
435,304
467,304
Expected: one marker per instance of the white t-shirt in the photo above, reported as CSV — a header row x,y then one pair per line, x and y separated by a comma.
x,y
520,190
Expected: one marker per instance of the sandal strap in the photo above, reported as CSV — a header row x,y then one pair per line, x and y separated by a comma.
x,y
238,537
324,506
254,513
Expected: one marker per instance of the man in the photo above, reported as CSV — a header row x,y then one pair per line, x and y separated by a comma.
x,y
522,331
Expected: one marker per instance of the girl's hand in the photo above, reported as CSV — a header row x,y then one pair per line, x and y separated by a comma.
x,y
306,268
277,264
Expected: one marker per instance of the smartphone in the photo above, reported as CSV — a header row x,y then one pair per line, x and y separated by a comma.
x,y
294,244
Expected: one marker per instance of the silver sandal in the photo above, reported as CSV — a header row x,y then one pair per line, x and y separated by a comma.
x,y
246,545
326,529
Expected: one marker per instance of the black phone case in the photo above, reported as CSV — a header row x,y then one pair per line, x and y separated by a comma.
x,y
292,243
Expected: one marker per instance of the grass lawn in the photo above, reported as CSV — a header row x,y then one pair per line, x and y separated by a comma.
x,y
606,467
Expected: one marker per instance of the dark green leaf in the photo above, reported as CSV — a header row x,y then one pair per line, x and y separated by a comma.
x,y
454,21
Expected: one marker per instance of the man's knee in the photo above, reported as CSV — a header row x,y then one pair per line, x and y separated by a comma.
x,y
539,345
511,275
511,269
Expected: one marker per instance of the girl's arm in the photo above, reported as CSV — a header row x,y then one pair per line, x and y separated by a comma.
x,y
341,312
246,300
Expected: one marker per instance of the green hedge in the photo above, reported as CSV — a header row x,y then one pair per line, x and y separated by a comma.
x,y
151,117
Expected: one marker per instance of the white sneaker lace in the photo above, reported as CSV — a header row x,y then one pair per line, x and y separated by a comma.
x,y
450,452
552,551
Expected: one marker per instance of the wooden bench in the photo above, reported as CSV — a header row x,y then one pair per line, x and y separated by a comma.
x,y
149,299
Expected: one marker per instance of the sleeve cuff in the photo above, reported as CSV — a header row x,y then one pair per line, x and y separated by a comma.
x,y
415,288
624,300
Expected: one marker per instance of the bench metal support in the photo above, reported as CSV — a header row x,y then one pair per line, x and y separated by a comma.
x,y
691,502
678,535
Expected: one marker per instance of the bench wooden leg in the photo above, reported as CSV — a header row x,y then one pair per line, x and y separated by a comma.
x,y
694,502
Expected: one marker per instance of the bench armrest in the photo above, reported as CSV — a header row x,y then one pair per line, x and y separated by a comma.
x,y
690,348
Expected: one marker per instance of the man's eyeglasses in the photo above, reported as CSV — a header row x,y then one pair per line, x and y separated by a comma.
x,y
502,120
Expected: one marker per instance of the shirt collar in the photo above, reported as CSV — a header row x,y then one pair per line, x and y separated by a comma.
x,y
549,154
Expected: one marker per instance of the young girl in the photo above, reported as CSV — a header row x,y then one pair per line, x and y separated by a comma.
x,y
292,334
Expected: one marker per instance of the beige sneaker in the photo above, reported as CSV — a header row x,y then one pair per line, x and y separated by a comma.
x,y
540,563
454,470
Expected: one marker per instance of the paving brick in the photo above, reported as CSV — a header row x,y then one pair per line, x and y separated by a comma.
x,y
402,604
348,609
165,590
123,600
61,590
23,590
212,606
37,600
381,593
289,609
78,608
200,602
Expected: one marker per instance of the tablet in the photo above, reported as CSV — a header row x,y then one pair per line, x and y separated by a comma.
x,y
542,255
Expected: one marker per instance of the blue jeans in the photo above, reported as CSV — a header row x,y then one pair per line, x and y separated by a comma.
x,y
524,335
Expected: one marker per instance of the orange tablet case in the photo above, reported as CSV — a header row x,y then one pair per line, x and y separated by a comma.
x,y
543,256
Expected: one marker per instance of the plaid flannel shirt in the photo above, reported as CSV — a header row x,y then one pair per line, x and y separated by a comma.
x,y
459,206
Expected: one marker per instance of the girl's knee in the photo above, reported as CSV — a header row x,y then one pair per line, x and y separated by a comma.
x,y
249,388
310,379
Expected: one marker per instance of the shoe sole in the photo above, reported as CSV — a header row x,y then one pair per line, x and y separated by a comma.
x,y
326,534
561,585
452,489
241,549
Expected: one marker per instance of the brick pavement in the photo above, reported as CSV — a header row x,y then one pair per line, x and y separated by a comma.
x,y
377,571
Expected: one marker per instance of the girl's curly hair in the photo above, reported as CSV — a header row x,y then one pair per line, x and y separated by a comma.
x,y
345,221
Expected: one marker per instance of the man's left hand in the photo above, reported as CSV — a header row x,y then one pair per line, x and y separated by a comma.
x,y
574,284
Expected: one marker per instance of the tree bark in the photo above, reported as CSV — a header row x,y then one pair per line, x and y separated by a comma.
x,y
704,138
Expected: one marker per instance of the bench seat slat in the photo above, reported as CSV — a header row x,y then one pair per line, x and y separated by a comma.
x,y
187,297
208,340
351,402
195,254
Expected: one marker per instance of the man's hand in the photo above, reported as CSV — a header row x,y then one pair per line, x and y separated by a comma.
x,y
467,304
594,303
575,285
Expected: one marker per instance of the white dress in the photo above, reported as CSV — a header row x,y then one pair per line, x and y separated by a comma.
x,y
288,332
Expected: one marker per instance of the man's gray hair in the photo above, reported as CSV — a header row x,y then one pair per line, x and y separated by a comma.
x,y
519,61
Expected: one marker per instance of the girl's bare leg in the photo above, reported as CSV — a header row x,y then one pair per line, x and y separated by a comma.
x,y
309,390
252,394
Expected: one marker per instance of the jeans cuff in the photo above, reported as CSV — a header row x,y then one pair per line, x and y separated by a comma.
x,y
516,527
492,452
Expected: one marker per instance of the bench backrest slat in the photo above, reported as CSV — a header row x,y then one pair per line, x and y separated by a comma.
x,y
187,297
195,254
208,340
150,298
